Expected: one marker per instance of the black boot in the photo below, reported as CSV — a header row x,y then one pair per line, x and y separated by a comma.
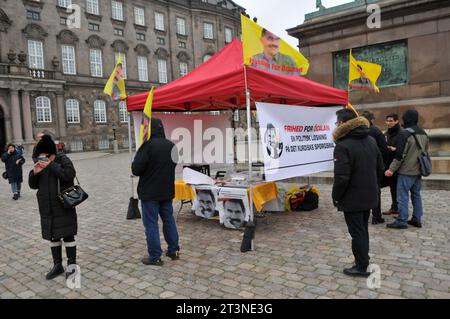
x,y
71,253
57,269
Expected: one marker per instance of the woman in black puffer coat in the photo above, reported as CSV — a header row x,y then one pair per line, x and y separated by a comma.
x,y
14,161
57,222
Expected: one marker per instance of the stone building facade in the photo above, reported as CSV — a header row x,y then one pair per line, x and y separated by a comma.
x,y
412,44
55,61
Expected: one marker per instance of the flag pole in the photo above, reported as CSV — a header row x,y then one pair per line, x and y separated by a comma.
x,y
133,206
249,140
349,105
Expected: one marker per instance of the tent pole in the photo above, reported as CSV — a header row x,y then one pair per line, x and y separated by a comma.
x,y
130,150
249,140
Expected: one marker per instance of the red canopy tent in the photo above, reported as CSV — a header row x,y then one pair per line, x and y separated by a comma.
x,y
219,84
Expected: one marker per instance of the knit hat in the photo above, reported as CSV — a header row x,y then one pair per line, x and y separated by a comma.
x,y
46,145
368,115
410,118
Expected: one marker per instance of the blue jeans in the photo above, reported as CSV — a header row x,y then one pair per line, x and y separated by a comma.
x,y
406,184
150,212
15,187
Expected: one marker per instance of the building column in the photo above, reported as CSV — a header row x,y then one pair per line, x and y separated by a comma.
x,y
60,114
26,113
15,116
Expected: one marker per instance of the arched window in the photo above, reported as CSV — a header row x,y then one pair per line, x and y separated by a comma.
x,y
100,111
123,113
43,109
207,57
72,111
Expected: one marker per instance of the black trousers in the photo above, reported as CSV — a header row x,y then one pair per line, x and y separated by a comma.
x,y
376,212
358,227
393,187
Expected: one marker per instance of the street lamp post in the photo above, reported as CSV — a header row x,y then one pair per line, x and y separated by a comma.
x,y
115,143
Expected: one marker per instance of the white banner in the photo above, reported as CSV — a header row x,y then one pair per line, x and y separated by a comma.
x,y
200,138
296,140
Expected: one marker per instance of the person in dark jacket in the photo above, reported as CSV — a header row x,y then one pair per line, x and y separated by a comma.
x,y
50,174
406,163
14,161
379,137
35,154
155,163
392,139
358,166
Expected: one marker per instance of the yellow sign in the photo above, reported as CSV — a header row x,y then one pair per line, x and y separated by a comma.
x,y
264,50
146,125
115,87
363,75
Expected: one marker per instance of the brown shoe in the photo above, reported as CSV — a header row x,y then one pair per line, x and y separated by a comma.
x,y
391,212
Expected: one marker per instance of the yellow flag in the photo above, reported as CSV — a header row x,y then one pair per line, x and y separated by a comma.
x,y
365,73
146,126
264,50
115,87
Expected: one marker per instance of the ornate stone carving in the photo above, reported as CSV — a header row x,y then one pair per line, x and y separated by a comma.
x,y
162,53
55,62
34,31
12,56
119,46
67,37
22,57
183,57
5,21
95,42
141,49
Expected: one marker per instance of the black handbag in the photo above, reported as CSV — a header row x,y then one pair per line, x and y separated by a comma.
x,y
72,196
5,175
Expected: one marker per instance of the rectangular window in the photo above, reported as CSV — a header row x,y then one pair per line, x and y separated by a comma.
x,y
142,68
35,54
33,15
182,45
92,7
76,146
161,41
162,71
43,109
118,32
123,113
99,111
64,3
183,68
94,27
159,21
139,16
117,10
68,59
140,36
181,26
208,31
72,111
124,63
96,62
103,144
63,21
228,35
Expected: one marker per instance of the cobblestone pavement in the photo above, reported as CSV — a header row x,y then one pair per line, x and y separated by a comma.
x,y
298,255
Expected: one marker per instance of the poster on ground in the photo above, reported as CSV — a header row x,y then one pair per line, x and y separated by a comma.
x,y
234,210
296,140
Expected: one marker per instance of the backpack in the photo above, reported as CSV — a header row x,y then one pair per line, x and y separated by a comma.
x,y
302,198
424,158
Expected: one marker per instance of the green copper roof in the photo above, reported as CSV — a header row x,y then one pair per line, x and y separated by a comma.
x,y
342,7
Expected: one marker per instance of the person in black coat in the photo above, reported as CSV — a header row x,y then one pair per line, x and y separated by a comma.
x,y
393,138
52,173
358,166
155,164
379,137
14,161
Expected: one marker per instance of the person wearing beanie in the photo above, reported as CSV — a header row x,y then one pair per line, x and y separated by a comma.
x,y
376,133
155,163
358,166
52,173
14,161
406,164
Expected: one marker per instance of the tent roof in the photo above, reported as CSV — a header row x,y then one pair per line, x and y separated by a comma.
x,y
219,84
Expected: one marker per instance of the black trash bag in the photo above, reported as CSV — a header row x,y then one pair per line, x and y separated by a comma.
x,y
249,235
310,202
133,209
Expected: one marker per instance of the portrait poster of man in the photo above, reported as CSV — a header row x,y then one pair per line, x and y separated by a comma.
x,y
205,203
363,75
265,50
115,86
233,207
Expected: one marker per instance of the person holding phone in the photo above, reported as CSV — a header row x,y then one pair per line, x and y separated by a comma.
x,y
14,161
52,173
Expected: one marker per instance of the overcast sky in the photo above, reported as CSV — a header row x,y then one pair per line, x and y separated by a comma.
x,y
279,15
